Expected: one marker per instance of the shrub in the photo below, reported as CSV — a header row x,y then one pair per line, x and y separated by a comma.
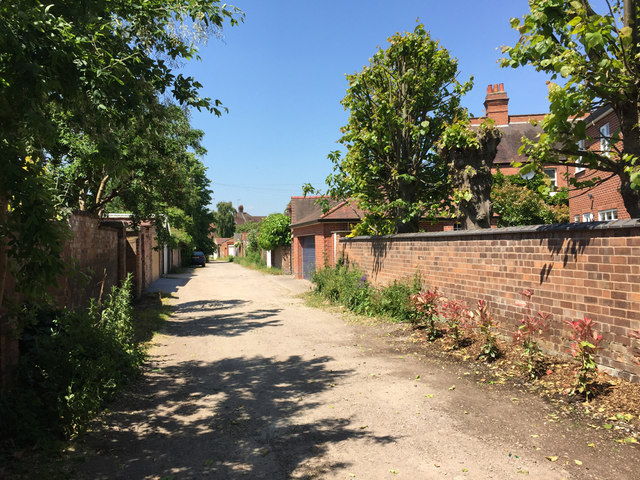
x,y
528,334
457,319
394,301
585,343
425,306
486,324
71,363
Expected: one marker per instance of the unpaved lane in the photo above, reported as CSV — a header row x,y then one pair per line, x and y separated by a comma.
x,y
247,382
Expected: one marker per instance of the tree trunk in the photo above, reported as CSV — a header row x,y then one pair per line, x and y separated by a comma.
x,y
630,196
471,174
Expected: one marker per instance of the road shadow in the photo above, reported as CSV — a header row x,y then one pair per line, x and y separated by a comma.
x,y
243,417
212,317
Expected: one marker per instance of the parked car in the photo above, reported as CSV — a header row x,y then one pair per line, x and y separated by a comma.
x,y
198,258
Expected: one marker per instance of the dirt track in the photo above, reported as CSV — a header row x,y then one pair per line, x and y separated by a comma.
x,y
248,382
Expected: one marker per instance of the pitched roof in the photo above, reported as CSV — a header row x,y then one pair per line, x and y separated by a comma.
x,y
307,212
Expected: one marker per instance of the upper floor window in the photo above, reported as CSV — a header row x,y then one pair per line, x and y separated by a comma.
x,y
576,218
551,173
587,217
581,145
607,215
605,135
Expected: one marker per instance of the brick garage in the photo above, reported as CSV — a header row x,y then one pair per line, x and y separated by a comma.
x,y
573,270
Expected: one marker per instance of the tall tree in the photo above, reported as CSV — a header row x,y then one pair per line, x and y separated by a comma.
x,y
597,54
399,106
89,70
224,219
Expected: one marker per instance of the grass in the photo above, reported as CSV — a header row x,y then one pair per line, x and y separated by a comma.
x,y
151,312
252,263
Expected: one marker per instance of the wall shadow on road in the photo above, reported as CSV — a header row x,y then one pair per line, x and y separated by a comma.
x,y
207,317
243,417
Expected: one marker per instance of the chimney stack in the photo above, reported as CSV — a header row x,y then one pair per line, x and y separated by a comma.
x,y
496,104
240,208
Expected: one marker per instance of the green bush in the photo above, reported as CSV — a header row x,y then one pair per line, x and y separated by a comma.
x,y
71,363
394,301
350,287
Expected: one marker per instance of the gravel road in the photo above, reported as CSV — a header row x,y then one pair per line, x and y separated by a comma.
x,y
246,381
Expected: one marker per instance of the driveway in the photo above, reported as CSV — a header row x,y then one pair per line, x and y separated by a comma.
x,y
246,381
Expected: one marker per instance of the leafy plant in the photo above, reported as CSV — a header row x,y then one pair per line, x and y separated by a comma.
x,y
528,335
486,324
585,343
71,363
457,319
394,301
426,307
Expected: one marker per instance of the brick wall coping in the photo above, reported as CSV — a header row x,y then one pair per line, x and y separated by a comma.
x,y
486,232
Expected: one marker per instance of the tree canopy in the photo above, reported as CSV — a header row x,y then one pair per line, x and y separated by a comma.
x,y
399,105
81,120
274,231
224,219
596,54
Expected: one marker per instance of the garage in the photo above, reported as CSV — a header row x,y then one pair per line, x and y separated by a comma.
x,y
308,245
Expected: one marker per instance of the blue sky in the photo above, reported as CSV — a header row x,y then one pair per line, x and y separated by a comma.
x,y
282,72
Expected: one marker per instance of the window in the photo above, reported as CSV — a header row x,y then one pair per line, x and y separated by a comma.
x,y
605,134
457,227
551,173
608,215
587,217
576,218
581,148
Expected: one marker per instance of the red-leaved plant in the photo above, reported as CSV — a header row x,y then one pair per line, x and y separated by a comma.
x,y
425,305
486,324
585,343
457,319
528,335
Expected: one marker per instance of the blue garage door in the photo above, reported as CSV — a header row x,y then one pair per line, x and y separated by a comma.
x,y
308,256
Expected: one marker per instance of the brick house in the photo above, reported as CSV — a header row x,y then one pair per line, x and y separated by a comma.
x,y
602,202
513,128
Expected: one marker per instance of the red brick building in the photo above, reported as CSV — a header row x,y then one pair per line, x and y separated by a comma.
x,y
602,202
315,235
513,128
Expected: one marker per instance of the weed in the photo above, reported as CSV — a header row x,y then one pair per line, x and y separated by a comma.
x,y
585,343
486,325
425,305
457,319
528,334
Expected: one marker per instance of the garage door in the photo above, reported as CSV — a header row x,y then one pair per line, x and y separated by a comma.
x,y
308,256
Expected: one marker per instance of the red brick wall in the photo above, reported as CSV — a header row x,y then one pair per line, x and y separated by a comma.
x,y
93,253
605,196
573,271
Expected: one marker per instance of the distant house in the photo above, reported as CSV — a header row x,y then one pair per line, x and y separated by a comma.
x,y
225,247
242,217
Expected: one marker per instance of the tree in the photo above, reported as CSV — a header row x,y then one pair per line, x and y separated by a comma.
x,y
224,219
520,202
92,71
274,231
399,106
470,154
598,57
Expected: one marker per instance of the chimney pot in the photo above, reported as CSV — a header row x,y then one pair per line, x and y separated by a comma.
x,y
495,87
502,87
240,208
488,89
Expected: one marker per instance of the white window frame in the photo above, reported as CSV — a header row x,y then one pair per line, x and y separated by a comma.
x,y
576,218
587,217
554,178
608,215
580,149
605,143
